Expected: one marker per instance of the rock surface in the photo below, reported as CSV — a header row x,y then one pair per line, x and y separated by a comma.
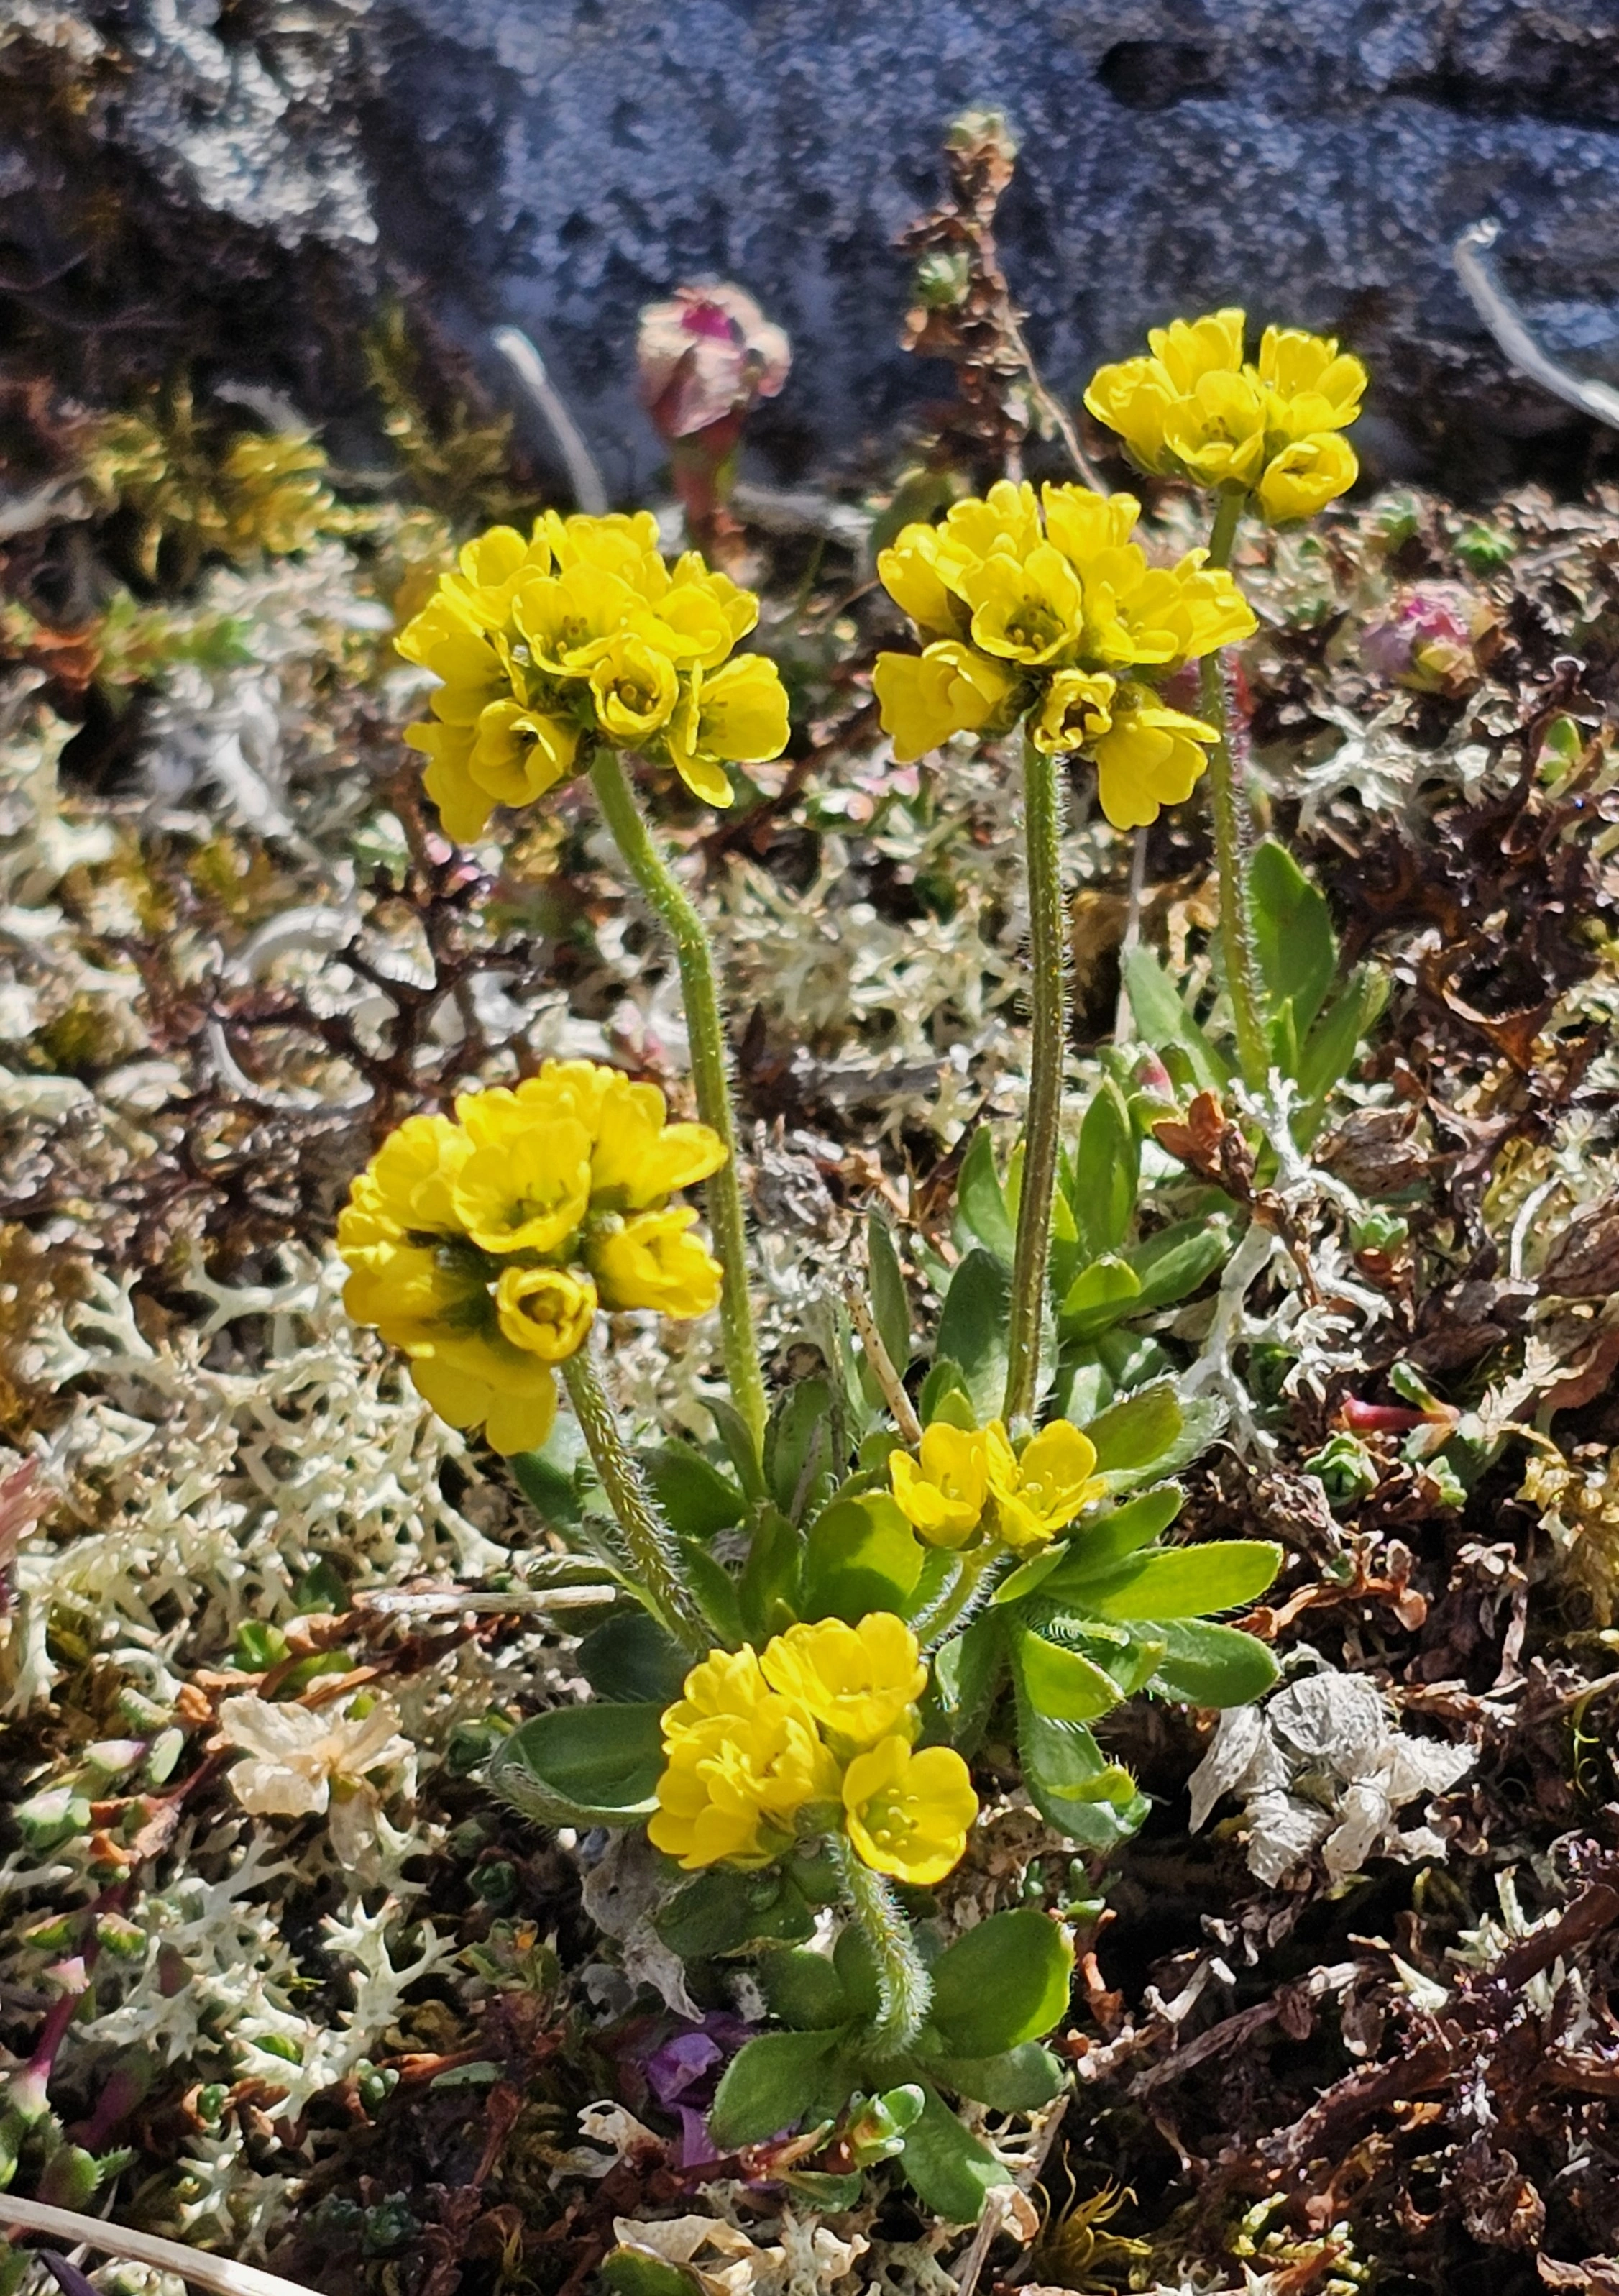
x,y
555,162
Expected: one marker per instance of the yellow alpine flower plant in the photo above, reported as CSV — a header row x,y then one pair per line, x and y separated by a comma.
x,y
577,638
1269,429
973,1484
815,1733
483,1245
1049,611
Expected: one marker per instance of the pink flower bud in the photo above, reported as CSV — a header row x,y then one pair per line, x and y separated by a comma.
x,y
1425,640
706,356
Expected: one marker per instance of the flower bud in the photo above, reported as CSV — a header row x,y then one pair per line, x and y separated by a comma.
x,y
1425,640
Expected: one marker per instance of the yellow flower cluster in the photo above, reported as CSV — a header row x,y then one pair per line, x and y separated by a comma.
x,y
1023,614
582,634
1270,427
482,1245
970,1479
815,1732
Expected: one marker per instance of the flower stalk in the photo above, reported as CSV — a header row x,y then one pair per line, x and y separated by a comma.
x,y
905,1989
1048,959
694,956
1233,836
649,1547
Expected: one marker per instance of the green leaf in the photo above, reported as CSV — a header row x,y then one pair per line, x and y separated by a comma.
x,y
1027,1577
1184,1582
716,1590
968,1671
740,1448
1005,1981
722,1910
1209,1665
1171,1265
630,1659
972,1329
583,1765
1062,1683
981,1200
696,1499
1163,1020
1105,1540
1329,1050
777,2081
1107,1172
952,2173
890,1302
861,1554
945,1380
1097,1297
798,1447
803,1991
768,1592
856,1968
1293,936
630,2272
547,1477
1017,2080
1136,1432
1094,1801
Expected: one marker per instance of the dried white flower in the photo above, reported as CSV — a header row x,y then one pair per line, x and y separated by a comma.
x,y
1323,1764
312,1760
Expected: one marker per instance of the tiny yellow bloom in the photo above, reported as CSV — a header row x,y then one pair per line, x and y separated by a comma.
x,y
489,572
1299,367
411,1175
1005,522
910,572
923,699
1189,349
1028,609
1134,397
1217,434
529,1192
1038,1493
724,1689
859,1682
736,713
943,1495
908,1814
1305,477
518,754
740,607
1149,758
651,1261
471,665
637,1158
689,625
1083,525
570,620
1077,711
620,543
731,1792
545,1311
635,688
463,809
516,1413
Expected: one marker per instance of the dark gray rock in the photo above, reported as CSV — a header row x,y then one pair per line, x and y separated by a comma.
x,y
555,162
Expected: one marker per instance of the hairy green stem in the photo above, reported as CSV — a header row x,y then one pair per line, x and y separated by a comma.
x,y
960,1598
1233,835
1048,958
694,955
649,1547
905,1990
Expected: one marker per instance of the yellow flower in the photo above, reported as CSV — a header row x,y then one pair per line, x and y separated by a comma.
x,y
635,688
516,1406
943,1495
651,1261
742,1762
1082,524
471,666
908,1814
570,620
433,1303
517,754
1320,386
620,543
407,1186
1305,477
1077,710
463,807
689,626
740,607
1149,758
490,570
1005,522
1028,609
545,1311
637,1158
859,1682
910,572
1040,1492
923,699
528,1192
1189,349
738,713
1217,434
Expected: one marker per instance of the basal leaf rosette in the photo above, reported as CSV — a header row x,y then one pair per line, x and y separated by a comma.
x,y
814,1734
482,1245
971,1486
1268,428
1048,610
582,635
